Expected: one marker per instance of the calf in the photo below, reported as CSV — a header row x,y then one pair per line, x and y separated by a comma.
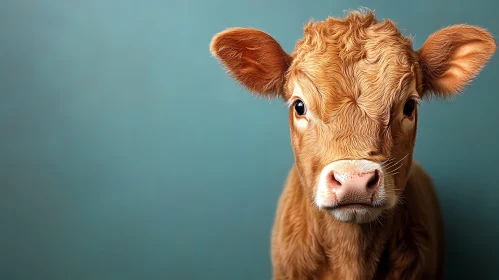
x,y
355,204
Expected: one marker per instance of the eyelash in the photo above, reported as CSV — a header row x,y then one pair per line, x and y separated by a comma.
x,y
416,99
291,102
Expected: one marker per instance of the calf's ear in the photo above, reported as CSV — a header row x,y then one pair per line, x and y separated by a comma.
x,y
253,58
451,57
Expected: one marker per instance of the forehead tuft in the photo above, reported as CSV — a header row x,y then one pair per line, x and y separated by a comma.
x,y
351,37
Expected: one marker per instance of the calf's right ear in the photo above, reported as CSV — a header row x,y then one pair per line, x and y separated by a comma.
x,y
253,58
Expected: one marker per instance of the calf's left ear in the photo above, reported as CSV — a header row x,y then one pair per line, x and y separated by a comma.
x,y
253,58
451,57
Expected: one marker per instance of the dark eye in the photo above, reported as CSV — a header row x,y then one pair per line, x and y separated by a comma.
x,y
300,107
409,107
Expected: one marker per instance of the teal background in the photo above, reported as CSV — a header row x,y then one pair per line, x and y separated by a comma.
x,y
127,153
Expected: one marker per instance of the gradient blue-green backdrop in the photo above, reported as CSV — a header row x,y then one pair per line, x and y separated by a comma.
x,y
127,153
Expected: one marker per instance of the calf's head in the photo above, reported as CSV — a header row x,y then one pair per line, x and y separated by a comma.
x,y
353,86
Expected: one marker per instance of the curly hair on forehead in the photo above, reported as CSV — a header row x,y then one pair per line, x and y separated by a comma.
x,y
349,35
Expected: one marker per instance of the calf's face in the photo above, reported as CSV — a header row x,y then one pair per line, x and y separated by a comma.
x,y
353,86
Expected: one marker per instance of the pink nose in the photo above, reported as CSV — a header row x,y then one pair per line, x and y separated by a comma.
x,y
354,187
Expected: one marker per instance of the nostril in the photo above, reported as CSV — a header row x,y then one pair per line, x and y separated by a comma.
x,y
336,180
374,180
333,181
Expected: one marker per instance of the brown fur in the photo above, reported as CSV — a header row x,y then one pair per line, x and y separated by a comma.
x,y
356,74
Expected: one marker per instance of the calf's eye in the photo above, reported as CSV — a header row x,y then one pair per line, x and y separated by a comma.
x,y
300,108
409,107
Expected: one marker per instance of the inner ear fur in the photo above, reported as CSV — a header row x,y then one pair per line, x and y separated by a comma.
x,y
452,57
253,58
